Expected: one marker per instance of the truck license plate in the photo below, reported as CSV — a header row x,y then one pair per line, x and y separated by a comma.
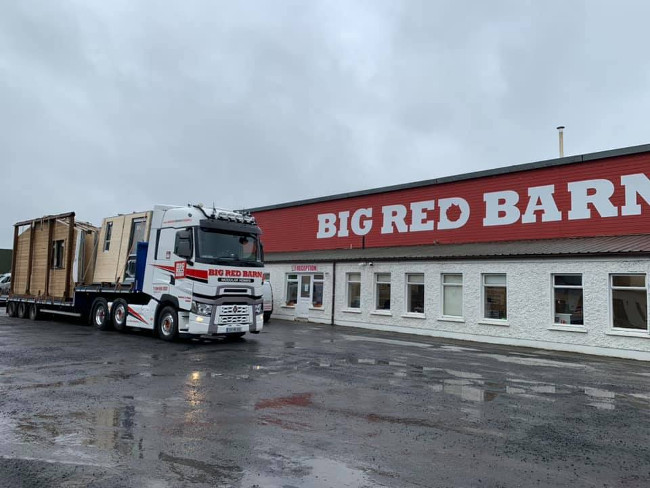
x,y
233,329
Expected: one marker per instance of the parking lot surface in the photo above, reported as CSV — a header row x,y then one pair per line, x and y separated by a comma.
x,y
305,405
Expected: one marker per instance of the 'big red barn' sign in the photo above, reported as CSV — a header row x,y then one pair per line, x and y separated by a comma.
x,y
602,196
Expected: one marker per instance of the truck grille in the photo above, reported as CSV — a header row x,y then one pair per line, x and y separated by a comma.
x,y
234,319
234,314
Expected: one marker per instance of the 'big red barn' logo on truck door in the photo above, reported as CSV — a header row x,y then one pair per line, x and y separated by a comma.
x,y
179,269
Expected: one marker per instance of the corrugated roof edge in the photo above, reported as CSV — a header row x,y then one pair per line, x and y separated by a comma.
x,y
632,245
626,151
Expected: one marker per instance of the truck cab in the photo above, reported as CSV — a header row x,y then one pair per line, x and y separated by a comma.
x,y
207,267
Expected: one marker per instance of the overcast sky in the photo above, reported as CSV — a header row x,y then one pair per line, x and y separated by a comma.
x,y
109,107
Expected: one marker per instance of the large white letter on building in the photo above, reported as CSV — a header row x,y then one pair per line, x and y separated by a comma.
x,y
541,198
326,226
394,215
419,215
357,227
446,206
595,192
500,208
635,185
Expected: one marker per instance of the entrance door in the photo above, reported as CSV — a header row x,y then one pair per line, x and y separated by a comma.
x,y
304,297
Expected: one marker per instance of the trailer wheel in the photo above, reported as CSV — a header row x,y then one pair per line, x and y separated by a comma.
x,y
22,310
119,312
99,315
167,325
12,309
33,312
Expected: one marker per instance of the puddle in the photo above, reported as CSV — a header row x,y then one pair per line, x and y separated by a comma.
x,y
534,361
309,473
394,342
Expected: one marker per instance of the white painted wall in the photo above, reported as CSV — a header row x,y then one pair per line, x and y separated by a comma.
x,y
530,319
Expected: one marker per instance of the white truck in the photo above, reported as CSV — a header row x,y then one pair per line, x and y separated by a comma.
x,y
199,274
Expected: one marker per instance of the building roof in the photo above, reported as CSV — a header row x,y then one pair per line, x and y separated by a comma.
x,y
632,245
626,151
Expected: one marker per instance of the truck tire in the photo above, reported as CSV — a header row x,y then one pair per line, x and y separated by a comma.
x,y
99,315
267,316
22,310
167,324
33,312
12,310
119,312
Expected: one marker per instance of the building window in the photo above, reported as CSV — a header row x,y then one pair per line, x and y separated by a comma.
x,y
354,290
57,254
567,299
629,301
452,295
317,291
107,236
495,297
292,290
415,293
382,291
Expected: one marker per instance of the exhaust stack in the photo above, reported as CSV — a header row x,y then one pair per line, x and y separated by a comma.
x,y
561,137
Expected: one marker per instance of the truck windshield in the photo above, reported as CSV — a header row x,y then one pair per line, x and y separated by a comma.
x,y
234,249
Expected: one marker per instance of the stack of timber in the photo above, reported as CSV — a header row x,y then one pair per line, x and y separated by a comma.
x,y
52,255
118,239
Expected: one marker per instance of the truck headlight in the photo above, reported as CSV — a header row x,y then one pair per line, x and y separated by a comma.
x,y
259,309
201,309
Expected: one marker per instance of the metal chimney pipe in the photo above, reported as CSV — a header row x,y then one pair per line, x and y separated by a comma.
x,y
561,136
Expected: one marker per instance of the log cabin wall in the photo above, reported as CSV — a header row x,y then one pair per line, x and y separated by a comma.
x,y
113,250
42,256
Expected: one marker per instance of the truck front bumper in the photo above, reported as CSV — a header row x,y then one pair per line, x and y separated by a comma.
x,y
203,325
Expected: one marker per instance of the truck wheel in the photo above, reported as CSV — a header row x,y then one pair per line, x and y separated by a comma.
x,y
33,312
22,310
12,309
167,325
119,312
267,316
99,315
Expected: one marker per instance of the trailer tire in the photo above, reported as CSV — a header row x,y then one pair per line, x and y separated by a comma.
x,y
22,310
119,312
99,315
33,312
11,309
167,324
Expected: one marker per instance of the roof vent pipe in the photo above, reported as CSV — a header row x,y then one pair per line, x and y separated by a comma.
x,y
561,137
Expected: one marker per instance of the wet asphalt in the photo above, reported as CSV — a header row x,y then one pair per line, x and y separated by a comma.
x,y
305,405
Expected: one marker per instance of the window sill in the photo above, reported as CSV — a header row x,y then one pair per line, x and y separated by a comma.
x,y
629,333
451,318
287,306
498,323
351,310
569,328
411,315
385,313
317,308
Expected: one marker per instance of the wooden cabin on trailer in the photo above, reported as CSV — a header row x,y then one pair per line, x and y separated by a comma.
x,y
51,255
118,239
